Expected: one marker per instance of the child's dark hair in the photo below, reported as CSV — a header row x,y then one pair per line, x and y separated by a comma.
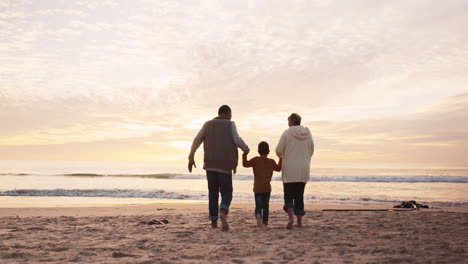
x,y
263,148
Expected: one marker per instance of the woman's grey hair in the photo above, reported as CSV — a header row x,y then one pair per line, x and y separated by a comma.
x,y
295,119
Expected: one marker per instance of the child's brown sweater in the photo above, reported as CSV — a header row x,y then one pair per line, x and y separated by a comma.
x,y
263,168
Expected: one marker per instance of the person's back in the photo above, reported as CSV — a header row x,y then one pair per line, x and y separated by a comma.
x,y
296,147
263,168
220,142
220,151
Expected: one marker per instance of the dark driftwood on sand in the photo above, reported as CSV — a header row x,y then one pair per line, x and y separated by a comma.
x,y
410,204
367,210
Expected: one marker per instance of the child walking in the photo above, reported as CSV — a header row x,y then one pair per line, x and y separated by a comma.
x,y
263,168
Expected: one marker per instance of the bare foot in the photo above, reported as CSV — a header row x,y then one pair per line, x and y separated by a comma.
x,y
214,223
224,223
299,220
265,227
291,218
259,220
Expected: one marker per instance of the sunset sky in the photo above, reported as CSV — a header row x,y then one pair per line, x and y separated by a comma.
x,y
379,83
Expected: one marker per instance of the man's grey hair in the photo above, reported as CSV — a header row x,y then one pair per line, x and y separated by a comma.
x,y
295,119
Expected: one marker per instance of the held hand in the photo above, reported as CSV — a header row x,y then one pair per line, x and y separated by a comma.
x,y
280,164
246,152
190,165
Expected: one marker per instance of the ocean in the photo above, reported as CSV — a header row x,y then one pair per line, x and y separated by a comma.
x,y
93,183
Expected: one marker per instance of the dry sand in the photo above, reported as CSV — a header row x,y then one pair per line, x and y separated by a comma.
x,y
115,235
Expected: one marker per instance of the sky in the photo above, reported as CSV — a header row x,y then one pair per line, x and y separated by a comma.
x,y
378,83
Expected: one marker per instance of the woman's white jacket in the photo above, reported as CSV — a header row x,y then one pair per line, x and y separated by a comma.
x,y
296,147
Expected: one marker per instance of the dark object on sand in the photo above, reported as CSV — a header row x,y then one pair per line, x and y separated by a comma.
x,y
355,210
410,204
158,222
368,210
161,223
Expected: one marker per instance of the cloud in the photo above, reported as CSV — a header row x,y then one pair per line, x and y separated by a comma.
x,y
206,48
434,136
362,74
83,133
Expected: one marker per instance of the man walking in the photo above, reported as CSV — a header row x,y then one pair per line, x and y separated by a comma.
x,y
220,142
296,147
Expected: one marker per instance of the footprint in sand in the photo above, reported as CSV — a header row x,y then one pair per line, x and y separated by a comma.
x,y
87,254
59,249
184,233
119,254
16,255
35,229
289,256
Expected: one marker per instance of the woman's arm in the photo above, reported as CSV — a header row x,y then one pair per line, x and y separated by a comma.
x,y
281,145
279,165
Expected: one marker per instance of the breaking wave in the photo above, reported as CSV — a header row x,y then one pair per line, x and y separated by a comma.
x,y
242,197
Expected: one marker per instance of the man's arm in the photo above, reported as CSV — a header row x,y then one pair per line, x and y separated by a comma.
x,y
238,140
281,145
195,144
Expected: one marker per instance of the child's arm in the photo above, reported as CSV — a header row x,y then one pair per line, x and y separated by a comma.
x,y
280,164
246,163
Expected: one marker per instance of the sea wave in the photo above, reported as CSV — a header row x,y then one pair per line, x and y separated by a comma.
x,y
242,197
117,193
323,178
391,178
155,176
84,175
318,178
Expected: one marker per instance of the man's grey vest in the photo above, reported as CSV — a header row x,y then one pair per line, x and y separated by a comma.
x,y
218,144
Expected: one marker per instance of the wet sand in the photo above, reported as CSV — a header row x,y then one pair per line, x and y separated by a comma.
x,y
119,235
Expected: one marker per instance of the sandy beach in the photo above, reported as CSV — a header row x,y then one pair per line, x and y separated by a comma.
x,y
120,234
